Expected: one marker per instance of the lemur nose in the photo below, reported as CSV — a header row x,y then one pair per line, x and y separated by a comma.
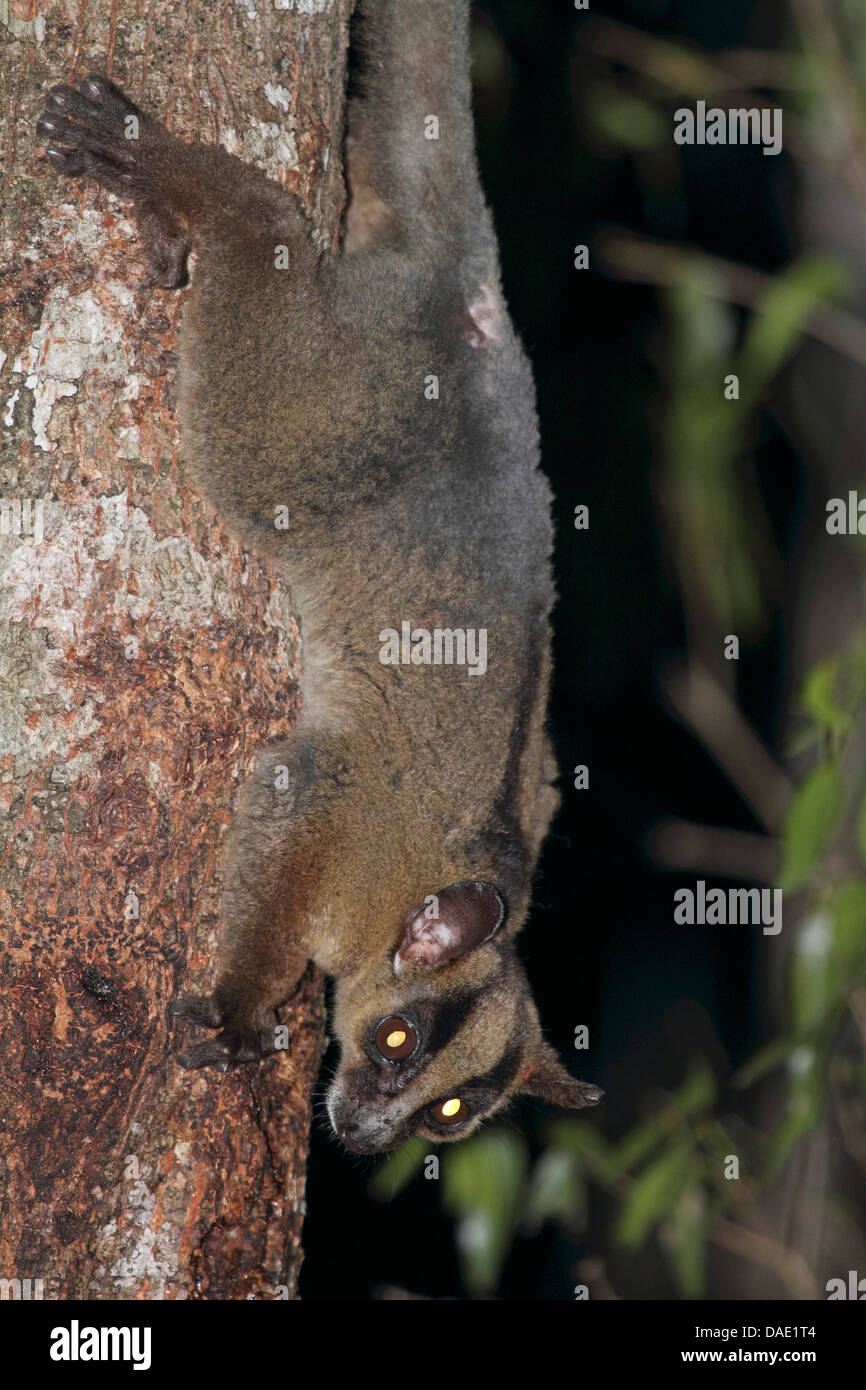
x,y
348,1136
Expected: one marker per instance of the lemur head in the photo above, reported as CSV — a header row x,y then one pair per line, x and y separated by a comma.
x,y
443,1032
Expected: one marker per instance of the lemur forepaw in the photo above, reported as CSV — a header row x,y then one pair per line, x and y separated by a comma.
x,y
96,132
237,1041
92,131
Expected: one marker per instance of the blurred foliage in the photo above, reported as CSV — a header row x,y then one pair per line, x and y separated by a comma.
x,y
692,1167
720,538
483,1182
683,1166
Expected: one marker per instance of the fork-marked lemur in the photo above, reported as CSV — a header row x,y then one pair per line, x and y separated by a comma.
x,y
382,396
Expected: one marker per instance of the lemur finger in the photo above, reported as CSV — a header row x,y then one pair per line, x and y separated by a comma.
x,y
100,91
227,1051
206,1054
70,162
62,131
202,1009
65,100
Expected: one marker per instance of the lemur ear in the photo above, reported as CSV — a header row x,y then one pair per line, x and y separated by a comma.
x,y
546,1078
450,924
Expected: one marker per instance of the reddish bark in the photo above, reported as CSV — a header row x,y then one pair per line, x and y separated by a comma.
x,y
143,658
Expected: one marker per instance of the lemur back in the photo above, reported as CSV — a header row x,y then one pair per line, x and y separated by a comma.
x,y
382,397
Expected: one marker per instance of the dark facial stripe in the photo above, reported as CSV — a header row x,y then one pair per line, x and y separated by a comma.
x,y
450,1015
497,1079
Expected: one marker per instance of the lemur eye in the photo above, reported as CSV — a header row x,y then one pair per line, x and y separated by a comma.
x,y
395,1038
450,1112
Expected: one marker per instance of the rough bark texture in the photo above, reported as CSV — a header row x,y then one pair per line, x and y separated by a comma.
x,y
143,657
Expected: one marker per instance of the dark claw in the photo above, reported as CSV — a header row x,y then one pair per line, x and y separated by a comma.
x,y
98,91
91,88
69,161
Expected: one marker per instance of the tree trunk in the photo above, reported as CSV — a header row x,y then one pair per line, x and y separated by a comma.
x,y
143,658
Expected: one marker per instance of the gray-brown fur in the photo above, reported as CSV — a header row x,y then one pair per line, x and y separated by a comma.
x,y
304,388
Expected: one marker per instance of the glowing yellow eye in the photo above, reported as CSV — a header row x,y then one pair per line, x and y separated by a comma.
x,y
395,1038
450,1112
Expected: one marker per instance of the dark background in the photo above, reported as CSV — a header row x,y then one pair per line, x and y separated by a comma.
x,y
599,946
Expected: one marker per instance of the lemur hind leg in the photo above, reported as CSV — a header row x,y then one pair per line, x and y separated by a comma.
x,y
272,886
179,193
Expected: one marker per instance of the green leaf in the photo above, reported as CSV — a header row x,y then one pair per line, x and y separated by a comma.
x,y
627,119
639,1143
821,701
585,1139
764,1060
719,542
718,1145
398,1170
782,315
809,824
694,1096
482,1183
807,1099
827,961
652,1194
556,1192
849,931
810,977
698,1091
685,1240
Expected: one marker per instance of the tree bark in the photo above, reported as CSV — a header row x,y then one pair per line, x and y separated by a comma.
x,y
143,659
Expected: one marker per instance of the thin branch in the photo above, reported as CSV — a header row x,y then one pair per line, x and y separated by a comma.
x,y
712,715
683,71
787,1265
644,261
674,66
714,850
